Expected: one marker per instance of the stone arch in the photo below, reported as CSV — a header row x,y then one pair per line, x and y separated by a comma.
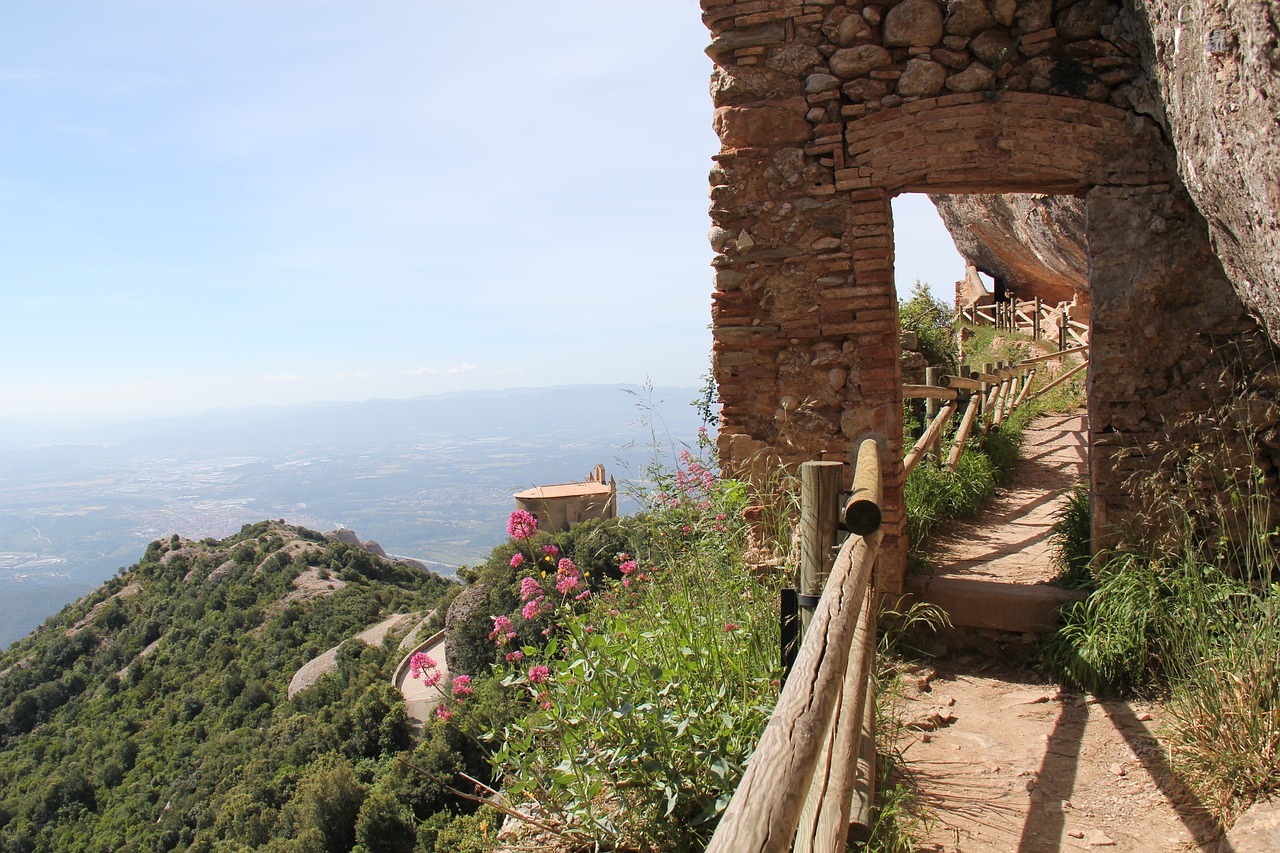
x,y
827,110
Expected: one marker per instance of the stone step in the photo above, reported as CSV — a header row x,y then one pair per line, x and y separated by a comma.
x,y
994,605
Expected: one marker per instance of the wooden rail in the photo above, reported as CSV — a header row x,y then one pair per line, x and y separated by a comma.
x,y
988,396
809,767
1032,317
812,774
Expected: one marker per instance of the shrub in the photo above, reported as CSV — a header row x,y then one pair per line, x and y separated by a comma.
x,y
653,686
933,322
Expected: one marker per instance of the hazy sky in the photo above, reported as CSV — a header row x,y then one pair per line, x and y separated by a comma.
x,y
231,202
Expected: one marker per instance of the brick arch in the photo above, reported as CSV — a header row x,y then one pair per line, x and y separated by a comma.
x,y
1018,142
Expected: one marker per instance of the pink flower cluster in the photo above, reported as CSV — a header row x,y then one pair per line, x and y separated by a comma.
x,y
521,525
693,479
503,631
568,578
462,686
423,666
535,603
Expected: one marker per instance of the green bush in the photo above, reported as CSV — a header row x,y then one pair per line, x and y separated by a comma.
x,y
933,321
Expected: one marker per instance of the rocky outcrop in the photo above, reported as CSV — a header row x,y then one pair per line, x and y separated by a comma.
x,y
1210,76
1032,245
1216,68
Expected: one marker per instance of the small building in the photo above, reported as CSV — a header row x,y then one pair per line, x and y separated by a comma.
x,y
558,507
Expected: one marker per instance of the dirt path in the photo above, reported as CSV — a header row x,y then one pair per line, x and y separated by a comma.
x,y
1005,762
1019,766
1010,542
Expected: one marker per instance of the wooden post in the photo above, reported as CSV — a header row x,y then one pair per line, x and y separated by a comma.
x,y
997,402
930,435
865,792
1035,332
862,514
962,434
819,506
824,821
1026,386
932,376
1063,377
765,810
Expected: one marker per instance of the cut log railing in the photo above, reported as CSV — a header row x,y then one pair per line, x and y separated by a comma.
x,y
802,781
988,398
1031,316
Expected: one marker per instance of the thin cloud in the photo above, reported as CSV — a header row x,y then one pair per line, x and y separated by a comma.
x,y
280,377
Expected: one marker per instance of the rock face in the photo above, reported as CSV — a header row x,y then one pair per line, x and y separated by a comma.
x,y
1033,245
1212,81
1217,75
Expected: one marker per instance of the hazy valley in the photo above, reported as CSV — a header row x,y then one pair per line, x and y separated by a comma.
x,y
430,478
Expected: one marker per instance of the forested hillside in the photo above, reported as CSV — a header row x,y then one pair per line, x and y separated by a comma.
x,y
151,715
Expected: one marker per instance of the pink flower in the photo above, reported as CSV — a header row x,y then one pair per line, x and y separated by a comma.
x,y
613,611
420,663
546,706
502,630
443,712
521,525
535,608
550,550
730,626
516,655
584,594
539,674
516,559
628,567
686,530
462,685
529,588
566,584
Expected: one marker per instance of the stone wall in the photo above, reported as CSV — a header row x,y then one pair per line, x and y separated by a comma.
x,y
1182,382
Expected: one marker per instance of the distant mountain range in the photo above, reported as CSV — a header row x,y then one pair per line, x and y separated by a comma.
x,y
429,478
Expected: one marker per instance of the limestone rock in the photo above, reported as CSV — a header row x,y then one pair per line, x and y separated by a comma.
x,y
851,29
850,62
992,46
913,23
776,123
1034,244
975,78
966,17
1255,831
1084,20
816,84
922,78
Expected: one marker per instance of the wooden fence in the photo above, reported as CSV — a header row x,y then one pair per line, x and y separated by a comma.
x,y
812,776
988,397
812,772
1031,317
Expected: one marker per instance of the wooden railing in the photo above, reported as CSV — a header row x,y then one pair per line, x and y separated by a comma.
x,y
811,778
988,398
812,772
1032,317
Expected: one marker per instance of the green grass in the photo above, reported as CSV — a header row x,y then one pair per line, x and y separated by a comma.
x,y
1191,613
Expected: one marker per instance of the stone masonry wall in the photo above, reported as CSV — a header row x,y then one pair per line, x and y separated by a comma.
x,y
825,110
1183,381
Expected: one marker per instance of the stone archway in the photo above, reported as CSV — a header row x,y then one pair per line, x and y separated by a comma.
x,y
826,110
